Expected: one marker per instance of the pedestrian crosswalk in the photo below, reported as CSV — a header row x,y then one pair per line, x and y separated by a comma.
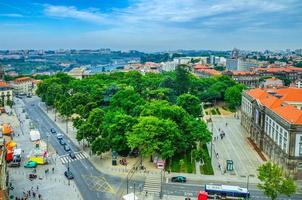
x,y
78,156
152,185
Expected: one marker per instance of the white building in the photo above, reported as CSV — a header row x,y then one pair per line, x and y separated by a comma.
x,y
239,64
6,92
168,66
23,85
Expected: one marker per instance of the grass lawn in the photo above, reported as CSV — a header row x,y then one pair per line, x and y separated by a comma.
x,y
187,167
206,168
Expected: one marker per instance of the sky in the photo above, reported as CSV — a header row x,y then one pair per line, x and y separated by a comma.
x,y
151,25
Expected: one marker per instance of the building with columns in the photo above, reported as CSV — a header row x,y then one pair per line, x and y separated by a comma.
x,y
273,119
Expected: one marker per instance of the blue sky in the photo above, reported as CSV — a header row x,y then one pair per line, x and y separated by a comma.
x,y
151,25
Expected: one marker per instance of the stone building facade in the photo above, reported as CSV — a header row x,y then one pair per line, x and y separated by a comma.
x,y
273,119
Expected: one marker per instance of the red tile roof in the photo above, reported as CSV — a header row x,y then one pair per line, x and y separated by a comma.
x,y
22,79
3,84
197,67
279,69
210,71
279,104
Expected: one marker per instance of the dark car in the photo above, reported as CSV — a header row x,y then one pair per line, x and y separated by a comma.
x,y
68,174
14,164
72,155
67,148
52,130
179,179
62,142
59,136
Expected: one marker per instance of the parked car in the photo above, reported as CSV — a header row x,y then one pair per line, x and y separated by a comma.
x,y
68,174
30,164
179,179
72,155
59,136
52,130
62,142
66,148
14,164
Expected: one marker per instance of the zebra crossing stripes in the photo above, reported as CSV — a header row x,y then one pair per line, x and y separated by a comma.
x,y
152,184
78,156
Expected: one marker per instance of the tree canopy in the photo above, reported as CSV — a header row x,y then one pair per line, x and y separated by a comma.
x,y
274,181
156,113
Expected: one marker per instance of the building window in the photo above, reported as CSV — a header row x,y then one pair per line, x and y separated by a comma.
x,y
300,148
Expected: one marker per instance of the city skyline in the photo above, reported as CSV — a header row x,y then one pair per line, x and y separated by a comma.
x,y
151,25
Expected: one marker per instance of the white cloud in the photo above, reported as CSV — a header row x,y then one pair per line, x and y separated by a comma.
x,y
188,10
11,15
74,13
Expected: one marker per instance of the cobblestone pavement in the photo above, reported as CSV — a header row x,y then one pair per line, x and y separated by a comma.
x,y
50,184
233,146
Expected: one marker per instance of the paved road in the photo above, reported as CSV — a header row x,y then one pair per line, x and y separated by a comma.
x,y
91,183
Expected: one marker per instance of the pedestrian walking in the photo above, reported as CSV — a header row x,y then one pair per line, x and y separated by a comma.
x,y
34,194
53,170
37,187
217,155
29,193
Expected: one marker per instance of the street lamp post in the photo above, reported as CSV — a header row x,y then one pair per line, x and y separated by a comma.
x,y
134,191
248,181
47,143
161,184
68,171
127,182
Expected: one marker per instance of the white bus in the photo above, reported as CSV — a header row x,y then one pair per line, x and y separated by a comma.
x,y
227,191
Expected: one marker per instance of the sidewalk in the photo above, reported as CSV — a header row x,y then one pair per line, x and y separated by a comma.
x,y
48,183
104,164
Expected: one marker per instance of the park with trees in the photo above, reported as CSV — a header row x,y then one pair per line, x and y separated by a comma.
x,y
156,114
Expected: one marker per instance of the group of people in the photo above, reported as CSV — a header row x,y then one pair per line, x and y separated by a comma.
x,y
221,134
30,194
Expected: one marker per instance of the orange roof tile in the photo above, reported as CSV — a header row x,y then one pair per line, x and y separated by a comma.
x,y
273,79
201,67
278,105
3,84
21,79
210,71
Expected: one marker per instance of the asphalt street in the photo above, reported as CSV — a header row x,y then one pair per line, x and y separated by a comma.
x,y
96,185
91,183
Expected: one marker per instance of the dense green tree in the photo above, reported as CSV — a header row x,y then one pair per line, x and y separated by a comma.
x,y
274,181
128,100
160,94
190,103
298,64
153,135
100,145
182,81
115,126
233,97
